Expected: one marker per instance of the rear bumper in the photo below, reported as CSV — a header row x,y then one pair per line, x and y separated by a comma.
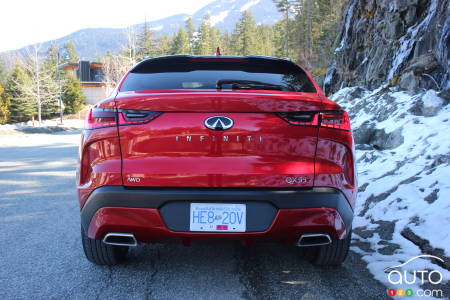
x,y
159,214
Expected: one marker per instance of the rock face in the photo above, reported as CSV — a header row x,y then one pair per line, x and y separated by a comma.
x,y
403,163
402,43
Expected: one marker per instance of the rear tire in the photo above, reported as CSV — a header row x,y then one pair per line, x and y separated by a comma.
x,y
100,253
329,255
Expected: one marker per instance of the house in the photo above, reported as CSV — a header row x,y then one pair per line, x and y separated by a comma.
x,y
91,77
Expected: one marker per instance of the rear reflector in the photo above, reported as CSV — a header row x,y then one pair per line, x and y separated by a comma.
x,y
349,169
86,168
327,119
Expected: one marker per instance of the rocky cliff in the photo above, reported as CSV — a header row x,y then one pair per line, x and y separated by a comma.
x,y
403,43
391,73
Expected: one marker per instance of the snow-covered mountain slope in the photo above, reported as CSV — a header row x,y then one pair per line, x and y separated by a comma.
x,y
403,161
225,13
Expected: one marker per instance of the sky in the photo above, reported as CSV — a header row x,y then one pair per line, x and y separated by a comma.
x,y
27,22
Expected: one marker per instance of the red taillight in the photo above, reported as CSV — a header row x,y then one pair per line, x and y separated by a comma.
x,y
327,119
100,117
335,120
104,117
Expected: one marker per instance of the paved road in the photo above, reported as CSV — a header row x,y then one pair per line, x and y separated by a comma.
x,y
41,255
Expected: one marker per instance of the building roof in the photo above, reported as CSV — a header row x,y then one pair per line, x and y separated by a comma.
x,y
75,66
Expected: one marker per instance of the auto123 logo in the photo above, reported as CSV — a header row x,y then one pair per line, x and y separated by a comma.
x,y
398,275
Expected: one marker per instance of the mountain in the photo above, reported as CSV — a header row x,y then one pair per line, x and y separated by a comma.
x,y
92,43
225,13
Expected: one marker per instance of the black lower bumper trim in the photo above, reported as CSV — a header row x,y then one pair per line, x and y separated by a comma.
x,y
119,196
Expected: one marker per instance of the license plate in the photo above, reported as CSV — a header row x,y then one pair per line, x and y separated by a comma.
x,y
217,217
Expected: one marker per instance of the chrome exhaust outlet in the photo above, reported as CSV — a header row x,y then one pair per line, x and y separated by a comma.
x,y
120,239
314,239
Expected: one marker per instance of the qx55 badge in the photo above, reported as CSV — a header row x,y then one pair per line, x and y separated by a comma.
x,y
219,123
296,180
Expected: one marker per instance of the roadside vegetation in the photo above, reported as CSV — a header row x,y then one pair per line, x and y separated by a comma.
x,y
31,88
306,35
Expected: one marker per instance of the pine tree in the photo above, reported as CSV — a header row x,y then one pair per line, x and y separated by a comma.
x,y
69,53
3,74
285,7
180,43
280,40
301,34
51,108
4,103
227,44
145,42
51,61
204,45
325,16
52,56
246,35
315,28
20,105
190,30
216,38
162,46
266,37
50,67
72,95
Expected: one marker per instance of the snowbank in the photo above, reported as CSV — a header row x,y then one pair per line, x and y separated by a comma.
x,y
48,126
403,162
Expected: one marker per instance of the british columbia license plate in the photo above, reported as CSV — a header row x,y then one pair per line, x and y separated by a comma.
x,y
217,217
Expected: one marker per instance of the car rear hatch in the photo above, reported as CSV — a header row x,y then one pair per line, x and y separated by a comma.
x,y
176,148
180,137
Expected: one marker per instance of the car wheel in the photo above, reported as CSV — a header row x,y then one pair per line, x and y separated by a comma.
x,y
329,255
102,254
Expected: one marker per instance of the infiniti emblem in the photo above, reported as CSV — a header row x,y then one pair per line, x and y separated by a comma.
x,y
219,123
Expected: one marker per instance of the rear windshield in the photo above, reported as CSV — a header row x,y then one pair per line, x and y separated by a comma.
x,y
213,73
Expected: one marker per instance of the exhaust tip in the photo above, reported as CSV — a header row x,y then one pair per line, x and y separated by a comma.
x,y
120,239
314,239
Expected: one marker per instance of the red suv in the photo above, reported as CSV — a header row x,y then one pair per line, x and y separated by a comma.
x,y
216,147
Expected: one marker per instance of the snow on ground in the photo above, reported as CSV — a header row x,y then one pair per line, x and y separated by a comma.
x,y
47,126
74,123
19,139
403,162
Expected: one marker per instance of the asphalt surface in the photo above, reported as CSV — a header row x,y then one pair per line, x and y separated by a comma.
x,y
41,255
